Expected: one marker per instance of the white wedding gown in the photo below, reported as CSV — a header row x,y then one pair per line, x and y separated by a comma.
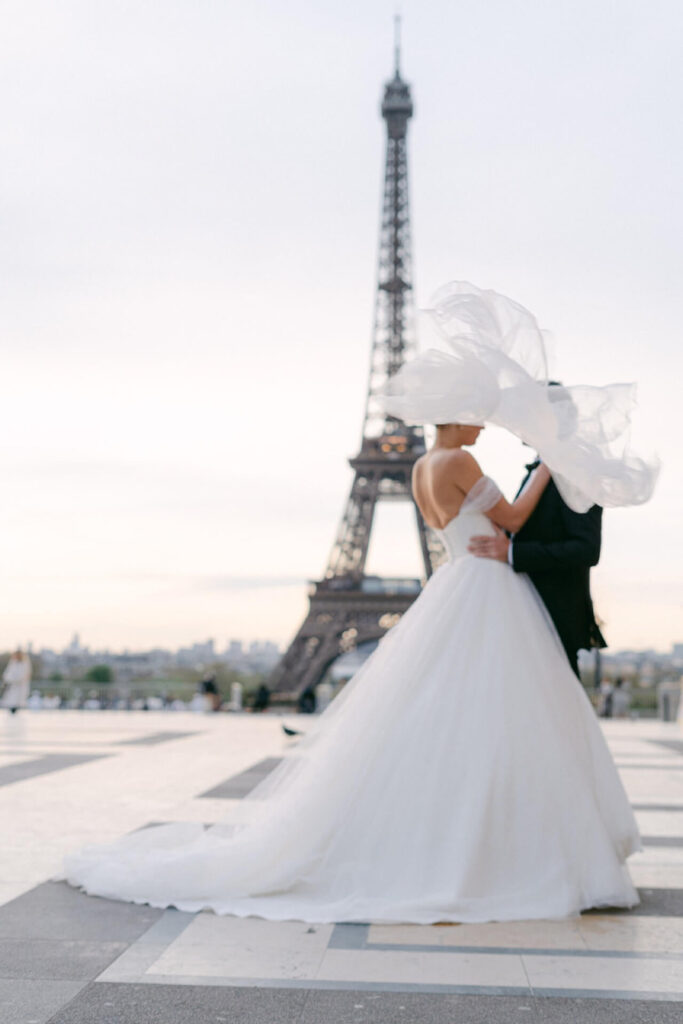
x,y
460,776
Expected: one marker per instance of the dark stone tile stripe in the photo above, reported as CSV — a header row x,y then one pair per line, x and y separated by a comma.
x,y
676,745
636,996
57,911
238,786
153,738
356,1007
10,773
23,1001
653,903
667,808
356,936
585,954
349,936
109,1003
313,984
229,985
54,941
56,959
662,840
119,1003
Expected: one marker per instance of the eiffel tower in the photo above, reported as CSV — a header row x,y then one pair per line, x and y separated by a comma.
x,y
348,608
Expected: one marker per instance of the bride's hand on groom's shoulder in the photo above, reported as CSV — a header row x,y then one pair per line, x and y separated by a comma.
x,y
495,547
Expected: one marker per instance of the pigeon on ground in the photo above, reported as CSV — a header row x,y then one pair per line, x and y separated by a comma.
x,y
289,731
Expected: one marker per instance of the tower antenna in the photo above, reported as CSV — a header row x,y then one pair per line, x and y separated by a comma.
x,y
397,45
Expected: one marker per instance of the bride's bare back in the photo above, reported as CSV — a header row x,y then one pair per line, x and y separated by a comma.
x,y
441,480
446,473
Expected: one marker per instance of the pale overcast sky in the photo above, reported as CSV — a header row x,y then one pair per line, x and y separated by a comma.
x,y
190,206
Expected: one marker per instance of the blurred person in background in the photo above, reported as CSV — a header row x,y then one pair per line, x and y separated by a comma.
x,y
621,699
209,688
17,680
606,706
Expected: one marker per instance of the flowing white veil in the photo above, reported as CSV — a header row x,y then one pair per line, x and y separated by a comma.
x,y
494,370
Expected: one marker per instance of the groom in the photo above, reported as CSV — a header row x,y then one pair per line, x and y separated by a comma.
x,y
556,547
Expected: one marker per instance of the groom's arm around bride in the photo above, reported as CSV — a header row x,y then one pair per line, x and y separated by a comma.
x,y
556,547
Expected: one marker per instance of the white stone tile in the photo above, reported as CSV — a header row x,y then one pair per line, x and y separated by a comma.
x,y
658,855
605,973
394,966
232,947
131,967
507,934
622,729
656,876
632,934
10,890
25,866
8,758
207,809
644,754
416,934
655,787
101,800
660,823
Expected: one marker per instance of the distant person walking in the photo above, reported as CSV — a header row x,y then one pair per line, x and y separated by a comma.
x,y
17,679
606,699
211,692
621,699
261,698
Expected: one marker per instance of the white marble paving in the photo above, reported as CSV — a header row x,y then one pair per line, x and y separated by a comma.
x,y
660,823
613,932
6,759
136,784
657,876
657,855
101,800
508,934
462,969
10,890
245,948
635,934
205,809
604,974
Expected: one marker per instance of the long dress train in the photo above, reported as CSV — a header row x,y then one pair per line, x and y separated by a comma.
x,y
460,776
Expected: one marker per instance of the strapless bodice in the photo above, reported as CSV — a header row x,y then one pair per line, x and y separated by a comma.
x,y
456,534
470,520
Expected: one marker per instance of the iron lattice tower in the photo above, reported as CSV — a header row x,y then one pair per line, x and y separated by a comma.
x,y
348,608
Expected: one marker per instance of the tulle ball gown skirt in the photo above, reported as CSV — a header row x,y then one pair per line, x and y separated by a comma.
x,y
460,776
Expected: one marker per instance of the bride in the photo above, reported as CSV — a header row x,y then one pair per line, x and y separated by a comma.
x,y
461,775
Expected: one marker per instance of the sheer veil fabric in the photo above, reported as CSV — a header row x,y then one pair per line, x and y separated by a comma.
x,y
494,370
461,775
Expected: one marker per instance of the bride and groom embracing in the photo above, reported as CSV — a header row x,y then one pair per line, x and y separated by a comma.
x,y
556,548
461,775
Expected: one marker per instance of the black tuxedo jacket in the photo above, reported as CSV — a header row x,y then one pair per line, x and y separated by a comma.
x,y
556,547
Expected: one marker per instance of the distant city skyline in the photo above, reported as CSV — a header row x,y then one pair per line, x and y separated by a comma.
x,y
209,645
76,659
238,645
188,266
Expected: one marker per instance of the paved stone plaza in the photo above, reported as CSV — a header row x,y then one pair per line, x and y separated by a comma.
x,y
69,778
